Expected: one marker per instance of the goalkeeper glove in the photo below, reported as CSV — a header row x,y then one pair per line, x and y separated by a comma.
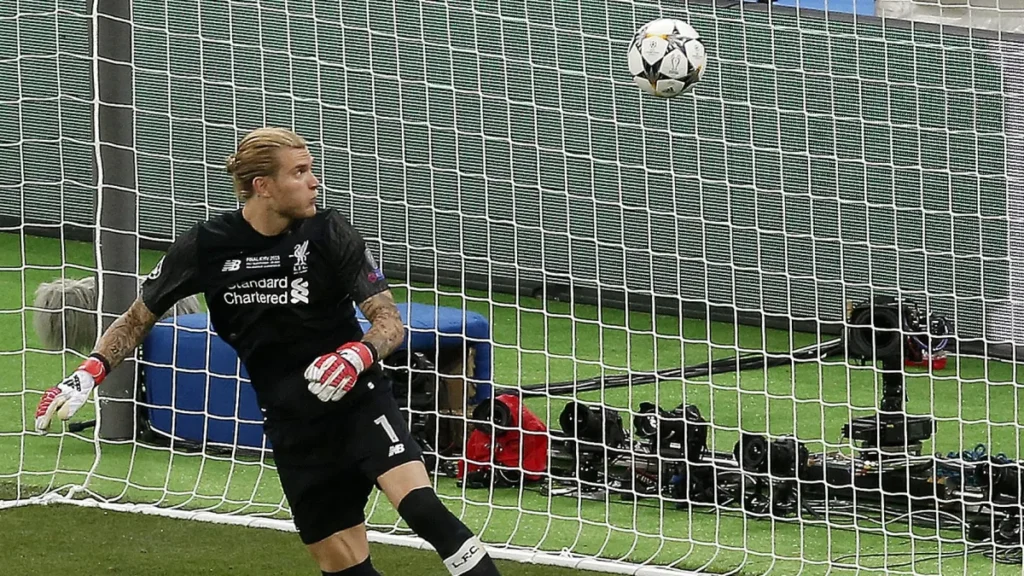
x,y
72,393
332,375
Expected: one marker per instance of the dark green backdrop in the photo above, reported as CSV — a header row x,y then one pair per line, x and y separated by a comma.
x,y
816,159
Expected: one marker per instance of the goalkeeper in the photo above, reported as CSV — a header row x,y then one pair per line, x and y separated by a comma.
x,y
280,278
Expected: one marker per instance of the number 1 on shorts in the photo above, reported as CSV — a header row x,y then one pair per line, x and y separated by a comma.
x,y
383,421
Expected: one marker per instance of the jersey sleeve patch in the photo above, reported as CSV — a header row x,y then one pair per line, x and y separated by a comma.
x,y
374,273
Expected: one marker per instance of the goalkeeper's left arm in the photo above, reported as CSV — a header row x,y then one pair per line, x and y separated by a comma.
x,y
332,375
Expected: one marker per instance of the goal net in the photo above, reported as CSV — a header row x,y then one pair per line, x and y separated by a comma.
x,y
995,15
570,241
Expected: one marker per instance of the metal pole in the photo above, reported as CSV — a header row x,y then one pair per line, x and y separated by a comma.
x,y
118,203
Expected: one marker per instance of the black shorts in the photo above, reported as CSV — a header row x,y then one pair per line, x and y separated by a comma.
x,y
330,494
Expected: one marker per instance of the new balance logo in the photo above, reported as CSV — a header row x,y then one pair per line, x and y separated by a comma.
x,y
396,449
300,291
231,266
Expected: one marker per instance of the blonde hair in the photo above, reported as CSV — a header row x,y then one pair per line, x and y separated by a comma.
x,y
257,156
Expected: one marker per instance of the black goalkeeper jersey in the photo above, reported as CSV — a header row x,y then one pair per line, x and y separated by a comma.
x,y
279,301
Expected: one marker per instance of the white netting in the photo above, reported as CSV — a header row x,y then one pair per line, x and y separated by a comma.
x,y
997,15
500,161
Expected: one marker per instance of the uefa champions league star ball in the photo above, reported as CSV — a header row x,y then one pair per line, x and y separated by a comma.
x,y
666,57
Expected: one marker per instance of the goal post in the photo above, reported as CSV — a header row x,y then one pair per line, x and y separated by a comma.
x,y
117,204
688,296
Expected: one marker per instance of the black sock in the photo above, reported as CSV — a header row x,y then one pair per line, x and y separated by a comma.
x,y
364,568
452,540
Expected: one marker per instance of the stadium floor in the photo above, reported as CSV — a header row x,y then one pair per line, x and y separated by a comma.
x,y
536,341
92,542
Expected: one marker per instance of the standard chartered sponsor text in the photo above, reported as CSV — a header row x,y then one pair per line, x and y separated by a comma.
x,y
262,283
234,298
268,291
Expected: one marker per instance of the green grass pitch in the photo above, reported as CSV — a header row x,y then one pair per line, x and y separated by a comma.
x,y
535,341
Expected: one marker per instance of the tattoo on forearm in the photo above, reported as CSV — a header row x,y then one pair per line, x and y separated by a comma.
x,y
126,333
386,330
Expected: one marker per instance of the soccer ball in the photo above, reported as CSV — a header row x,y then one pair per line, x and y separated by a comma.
x,y
666,57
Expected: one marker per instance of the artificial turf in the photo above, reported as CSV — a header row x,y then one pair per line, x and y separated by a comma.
x,y
535,341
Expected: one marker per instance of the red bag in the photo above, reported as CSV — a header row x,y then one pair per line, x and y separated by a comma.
x,y
520,447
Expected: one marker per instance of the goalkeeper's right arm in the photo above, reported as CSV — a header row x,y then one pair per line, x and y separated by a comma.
x,y
174,277
117,342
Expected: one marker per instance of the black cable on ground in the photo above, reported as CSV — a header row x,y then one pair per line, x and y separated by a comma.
x,y
752,361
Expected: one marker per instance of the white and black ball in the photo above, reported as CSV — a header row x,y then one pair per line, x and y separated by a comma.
x,y
667,57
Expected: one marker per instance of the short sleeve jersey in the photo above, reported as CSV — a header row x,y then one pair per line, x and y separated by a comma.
x,y
279,301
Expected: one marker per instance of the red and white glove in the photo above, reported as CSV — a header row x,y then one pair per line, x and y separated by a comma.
x,y
332,375
72,393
